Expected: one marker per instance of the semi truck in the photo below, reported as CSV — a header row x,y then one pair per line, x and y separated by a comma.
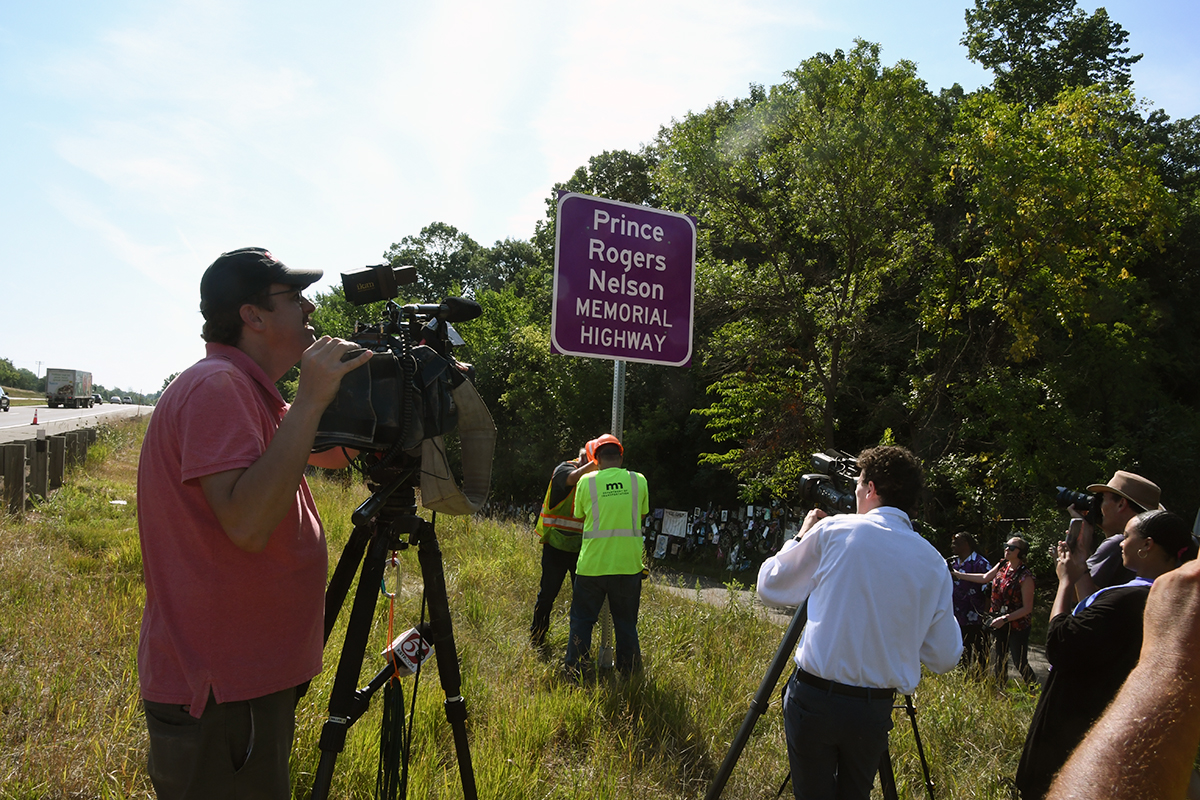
x,y
71,388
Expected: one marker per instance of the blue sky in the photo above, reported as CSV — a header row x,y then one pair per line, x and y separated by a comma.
x,y
142,139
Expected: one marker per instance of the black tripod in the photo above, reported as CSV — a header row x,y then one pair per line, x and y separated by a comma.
x,y
762,699
379,522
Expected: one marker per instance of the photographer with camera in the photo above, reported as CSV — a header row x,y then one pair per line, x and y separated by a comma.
x,y
233,552
1144,744
1118,501
561,534
1092,646
879,605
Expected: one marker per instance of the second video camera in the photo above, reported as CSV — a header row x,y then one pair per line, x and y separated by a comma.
x,y
831,487
1088,504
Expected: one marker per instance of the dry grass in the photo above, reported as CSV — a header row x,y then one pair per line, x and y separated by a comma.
x,y
71,725
70,602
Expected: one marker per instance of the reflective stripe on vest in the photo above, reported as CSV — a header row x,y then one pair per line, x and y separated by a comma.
x,y
562,523
604,534
559,516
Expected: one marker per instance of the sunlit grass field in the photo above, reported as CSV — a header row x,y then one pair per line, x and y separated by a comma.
x,y
71,724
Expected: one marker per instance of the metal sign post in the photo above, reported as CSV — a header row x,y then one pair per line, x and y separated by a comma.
x,y
618,430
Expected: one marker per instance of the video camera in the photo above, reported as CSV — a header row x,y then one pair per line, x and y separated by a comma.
x,y
831,487
398,406
1087,503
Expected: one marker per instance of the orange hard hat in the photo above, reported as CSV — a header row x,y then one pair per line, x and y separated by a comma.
x,y
600,441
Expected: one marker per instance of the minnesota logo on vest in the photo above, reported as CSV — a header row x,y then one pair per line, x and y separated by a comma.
x,y
613,487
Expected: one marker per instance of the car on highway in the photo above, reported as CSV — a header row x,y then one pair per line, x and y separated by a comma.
x,y
127,401
115,399
97,399
4,401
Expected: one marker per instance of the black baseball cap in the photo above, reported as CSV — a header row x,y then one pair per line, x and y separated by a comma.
x,y
238,275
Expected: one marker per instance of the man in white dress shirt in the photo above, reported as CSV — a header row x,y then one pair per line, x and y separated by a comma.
x,y
879,605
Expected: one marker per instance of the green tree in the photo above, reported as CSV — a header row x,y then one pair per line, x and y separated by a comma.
x,y
447,261
15,378
1034,364
614,175
1036,48
814,196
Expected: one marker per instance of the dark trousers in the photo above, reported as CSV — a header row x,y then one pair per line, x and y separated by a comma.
x,y
975,649
555,566
234,750
1008,642
624,593
835,742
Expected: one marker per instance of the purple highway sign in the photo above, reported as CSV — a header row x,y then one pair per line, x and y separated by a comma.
x,y
624,277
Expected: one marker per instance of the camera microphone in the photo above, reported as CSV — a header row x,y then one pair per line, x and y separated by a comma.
x,y
452,309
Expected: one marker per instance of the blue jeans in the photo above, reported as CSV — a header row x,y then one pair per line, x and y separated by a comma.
x,y
624,593
835,742
555,566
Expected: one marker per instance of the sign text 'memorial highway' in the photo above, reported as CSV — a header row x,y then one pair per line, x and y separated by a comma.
x,y
624,277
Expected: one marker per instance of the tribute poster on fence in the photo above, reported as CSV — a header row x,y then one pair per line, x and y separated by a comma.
x,y
675,523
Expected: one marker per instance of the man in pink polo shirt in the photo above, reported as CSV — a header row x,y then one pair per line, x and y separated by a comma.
x,y
233,552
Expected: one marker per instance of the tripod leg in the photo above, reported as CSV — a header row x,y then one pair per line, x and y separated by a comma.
x,y
762,699
345,684
343,575
912,715
429,555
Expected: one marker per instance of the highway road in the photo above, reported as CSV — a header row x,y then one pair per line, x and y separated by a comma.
x,y
16,423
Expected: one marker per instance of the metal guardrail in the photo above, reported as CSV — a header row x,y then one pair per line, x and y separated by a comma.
x,y
38,466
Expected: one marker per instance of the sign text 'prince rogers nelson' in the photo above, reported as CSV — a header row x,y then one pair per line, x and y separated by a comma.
x,y
624,277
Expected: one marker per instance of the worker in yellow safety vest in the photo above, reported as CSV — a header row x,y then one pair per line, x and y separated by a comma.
x,y
561,534
612,502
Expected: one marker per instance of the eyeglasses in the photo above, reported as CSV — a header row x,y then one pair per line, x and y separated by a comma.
x,y
1012,547
297,298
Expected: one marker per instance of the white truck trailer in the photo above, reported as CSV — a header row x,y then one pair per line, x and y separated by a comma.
x,y
71,388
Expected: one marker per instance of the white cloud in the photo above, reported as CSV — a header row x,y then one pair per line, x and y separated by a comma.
x,y
166,267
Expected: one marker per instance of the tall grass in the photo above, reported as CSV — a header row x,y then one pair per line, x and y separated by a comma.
x,y
71,725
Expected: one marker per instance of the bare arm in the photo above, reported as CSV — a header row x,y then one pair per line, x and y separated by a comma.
x,y
1026,601
249,503
579,472
1144,744
1085,585
974,577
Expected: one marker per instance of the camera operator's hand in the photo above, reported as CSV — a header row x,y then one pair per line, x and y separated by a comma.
x,y
811,519
322,367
